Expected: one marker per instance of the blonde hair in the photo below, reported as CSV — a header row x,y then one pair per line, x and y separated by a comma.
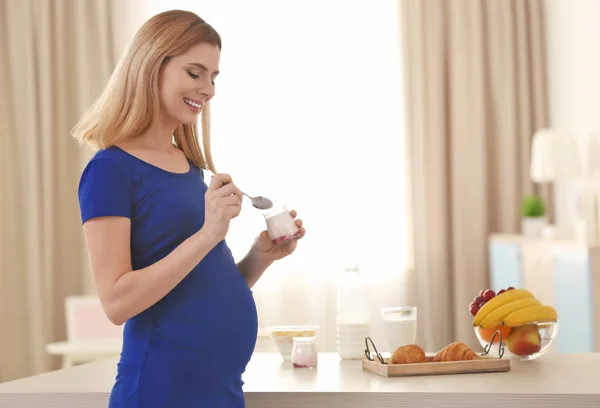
x,y
130,101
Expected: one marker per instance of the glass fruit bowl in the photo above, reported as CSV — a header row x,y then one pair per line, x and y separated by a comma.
x,y
525,342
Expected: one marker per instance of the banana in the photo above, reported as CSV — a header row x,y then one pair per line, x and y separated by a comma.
x,y
498,301
494,318
531,314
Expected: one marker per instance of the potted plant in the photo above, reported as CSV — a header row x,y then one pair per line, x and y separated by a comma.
x,y
534,220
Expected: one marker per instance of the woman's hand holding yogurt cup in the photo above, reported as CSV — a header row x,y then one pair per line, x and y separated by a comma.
x,y
281,237
223,202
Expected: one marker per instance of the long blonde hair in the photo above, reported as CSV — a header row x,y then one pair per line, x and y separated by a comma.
x,y
130,101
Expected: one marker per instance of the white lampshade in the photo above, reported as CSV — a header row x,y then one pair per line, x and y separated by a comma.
x,y
554,156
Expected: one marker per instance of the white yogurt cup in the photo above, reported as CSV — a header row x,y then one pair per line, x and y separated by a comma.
x,y
281,226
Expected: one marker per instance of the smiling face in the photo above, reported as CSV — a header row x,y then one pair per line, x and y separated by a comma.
x,y
187,82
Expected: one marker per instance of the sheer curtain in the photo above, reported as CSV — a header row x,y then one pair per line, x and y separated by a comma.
x,y
309,112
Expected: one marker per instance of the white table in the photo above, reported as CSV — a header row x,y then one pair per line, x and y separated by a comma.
x,y
76,352
558,380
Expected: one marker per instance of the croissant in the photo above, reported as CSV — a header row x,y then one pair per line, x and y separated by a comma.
x,y
408,354
455,352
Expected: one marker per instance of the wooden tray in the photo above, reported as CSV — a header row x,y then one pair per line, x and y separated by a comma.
x,y
483,365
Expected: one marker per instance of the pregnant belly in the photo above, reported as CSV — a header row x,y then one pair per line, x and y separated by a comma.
x,y
215,319
226,335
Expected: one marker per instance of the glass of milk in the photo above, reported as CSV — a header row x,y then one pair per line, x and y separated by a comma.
x,y
400,326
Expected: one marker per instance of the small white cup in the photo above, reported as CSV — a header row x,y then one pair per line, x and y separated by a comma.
x,y
281,226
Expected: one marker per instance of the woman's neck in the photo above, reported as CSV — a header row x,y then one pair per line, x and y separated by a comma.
x,y
159,135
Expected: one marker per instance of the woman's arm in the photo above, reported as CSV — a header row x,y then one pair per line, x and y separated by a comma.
x,y
252,266
263,253
125,292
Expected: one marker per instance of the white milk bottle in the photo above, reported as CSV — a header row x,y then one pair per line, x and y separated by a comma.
x,y
352,315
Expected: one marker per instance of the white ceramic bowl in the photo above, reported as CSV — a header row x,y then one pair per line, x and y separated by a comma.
x,y
284,337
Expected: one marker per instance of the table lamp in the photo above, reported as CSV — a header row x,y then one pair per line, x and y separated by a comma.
x,y
555,158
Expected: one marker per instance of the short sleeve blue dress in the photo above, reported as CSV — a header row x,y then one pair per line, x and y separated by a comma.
x,y
190,348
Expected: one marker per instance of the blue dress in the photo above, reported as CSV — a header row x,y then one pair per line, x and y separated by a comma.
x,y
190,348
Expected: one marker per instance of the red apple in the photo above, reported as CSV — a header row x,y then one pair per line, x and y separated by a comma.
x,y
524,340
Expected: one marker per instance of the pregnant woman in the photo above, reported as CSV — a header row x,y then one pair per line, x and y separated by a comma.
x,y
155,231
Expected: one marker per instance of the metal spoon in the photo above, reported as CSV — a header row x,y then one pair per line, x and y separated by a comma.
x,y
260,202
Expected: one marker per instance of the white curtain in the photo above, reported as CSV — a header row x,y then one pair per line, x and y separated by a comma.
x,y
309,112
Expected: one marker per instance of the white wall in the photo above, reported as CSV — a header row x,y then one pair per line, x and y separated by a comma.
x,y
573,48
573,38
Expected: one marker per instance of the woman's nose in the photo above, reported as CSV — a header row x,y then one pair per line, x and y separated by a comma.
x,y
208,90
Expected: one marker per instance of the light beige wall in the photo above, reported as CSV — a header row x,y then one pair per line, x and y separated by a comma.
x,y
573,35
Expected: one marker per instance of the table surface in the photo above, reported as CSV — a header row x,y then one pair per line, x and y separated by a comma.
x,y
556,377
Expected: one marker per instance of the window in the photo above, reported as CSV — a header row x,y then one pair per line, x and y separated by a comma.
x,y
309,112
